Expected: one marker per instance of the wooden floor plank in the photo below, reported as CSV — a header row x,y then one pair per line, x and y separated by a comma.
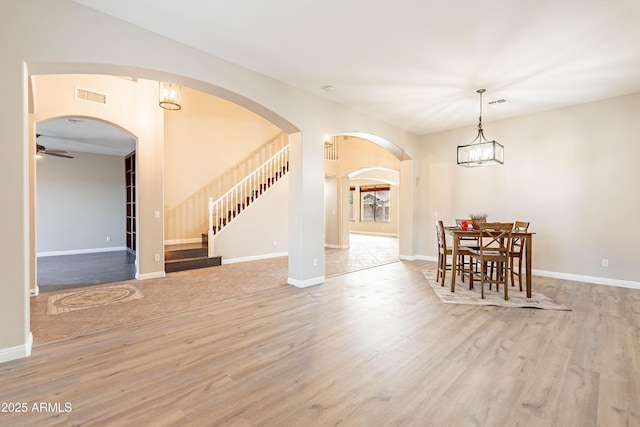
x,y
374,347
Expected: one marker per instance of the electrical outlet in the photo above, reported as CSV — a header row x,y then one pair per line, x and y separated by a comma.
x,y
108,238
157,257
605,263
315,262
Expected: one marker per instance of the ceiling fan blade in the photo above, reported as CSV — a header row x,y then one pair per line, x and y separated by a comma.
x,y
49,153
55,151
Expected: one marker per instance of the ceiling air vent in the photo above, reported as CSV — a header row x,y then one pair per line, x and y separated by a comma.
x,y
498,101
91,96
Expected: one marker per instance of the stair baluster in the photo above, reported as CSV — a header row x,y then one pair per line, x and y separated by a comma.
x,y
234,202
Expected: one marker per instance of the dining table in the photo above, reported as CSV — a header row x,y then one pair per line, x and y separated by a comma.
x,y
458,234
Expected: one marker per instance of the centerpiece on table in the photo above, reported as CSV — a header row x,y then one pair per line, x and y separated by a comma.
x,y
477,218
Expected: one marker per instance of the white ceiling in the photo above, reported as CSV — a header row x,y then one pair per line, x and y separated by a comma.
x,y
416,63
86,135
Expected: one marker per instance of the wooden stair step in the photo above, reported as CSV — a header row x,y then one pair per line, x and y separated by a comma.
x,y
191,263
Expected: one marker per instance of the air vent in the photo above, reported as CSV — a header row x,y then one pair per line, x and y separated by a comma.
x,y
91,96
498,101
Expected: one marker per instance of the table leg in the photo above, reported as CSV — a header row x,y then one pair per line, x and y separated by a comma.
x,y
528,256
454,262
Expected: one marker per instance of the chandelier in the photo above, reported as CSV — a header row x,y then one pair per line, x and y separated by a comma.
x,y
170,96
480,152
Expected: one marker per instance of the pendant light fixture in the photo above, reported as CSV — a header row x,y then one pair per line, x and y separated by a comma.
x,y
480,152
170,96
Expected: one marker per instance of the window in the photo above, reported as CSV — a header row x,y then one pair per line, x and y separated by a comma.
x,y
375,204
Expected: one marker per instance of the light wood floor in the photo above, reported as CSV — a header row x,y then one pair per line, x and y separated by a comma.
x,y
370,348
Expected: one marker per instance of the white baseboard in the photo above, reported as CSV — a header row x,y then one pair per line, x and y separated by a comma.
x,y
254,258
35,292
373,233
306,283
154,275
587,279
566,276
18,351
330,246
81,251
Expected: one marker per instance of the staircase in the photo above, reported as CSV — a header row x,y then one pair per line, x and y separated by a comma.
x,y
223,210
236,200
188,257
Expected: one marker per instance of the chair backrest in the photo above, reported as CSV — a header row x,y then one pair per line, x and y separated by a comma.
x,y
496,236
516,242
442,242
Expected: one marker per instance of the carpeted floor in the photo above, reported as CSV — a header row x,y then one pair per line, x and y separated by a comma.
x,y
464,295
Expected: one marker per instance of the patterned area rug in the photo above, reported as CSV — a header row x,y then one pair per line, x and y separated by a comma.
x,y
464,295
89,298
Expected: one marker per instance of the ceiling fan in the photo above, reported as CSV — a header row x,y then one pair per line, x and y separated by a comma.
x,y
41,149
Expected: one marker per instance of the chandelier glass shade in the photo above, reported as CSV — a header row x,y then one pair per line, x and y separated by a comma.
x,y
170,96
480,152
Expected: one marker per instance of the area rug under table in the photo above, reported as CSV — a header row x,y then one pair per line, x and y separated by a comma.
x,y
464,295
94,297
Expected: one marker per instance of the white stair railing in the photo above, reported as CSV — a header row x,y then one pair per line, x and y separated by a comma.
x,y
236,200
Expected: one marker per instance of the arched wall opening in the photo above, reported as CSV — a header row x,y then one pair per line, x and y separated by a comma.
x,y
368,157
146,123
83,213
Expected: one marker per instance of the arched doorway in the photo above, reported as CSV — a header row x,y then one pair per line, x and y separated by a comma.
x,y
84,208
363,171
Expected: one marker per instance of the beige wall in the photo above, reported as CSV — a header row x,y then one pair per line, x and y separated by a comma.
x,y
80,202
573,173
210,145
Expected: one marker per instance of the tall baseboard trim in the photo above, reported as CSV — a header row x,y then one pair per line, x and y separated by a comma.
x,y
423,258
81,251
587,279
35,291
305,283
254,258
154,275
18,351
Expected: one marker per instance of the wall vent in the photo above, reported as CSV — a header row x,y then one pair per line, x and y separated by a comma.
x,y
91,96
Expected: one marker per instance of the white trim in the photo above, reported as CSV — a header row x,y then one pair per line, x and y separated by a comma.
x,y
35,291
18,351
183,241
565,276
81,251
254,258
587,279
373,233
419,257
154,275
330,246
306,283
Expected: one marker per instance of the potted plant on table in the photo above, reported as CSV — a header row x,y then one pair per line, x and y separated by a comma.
x,y
477,218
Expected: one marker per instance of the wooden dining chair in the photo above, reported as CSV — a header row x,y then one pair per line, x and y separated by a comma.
x,y
443,253
516,252
495,242
465,244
